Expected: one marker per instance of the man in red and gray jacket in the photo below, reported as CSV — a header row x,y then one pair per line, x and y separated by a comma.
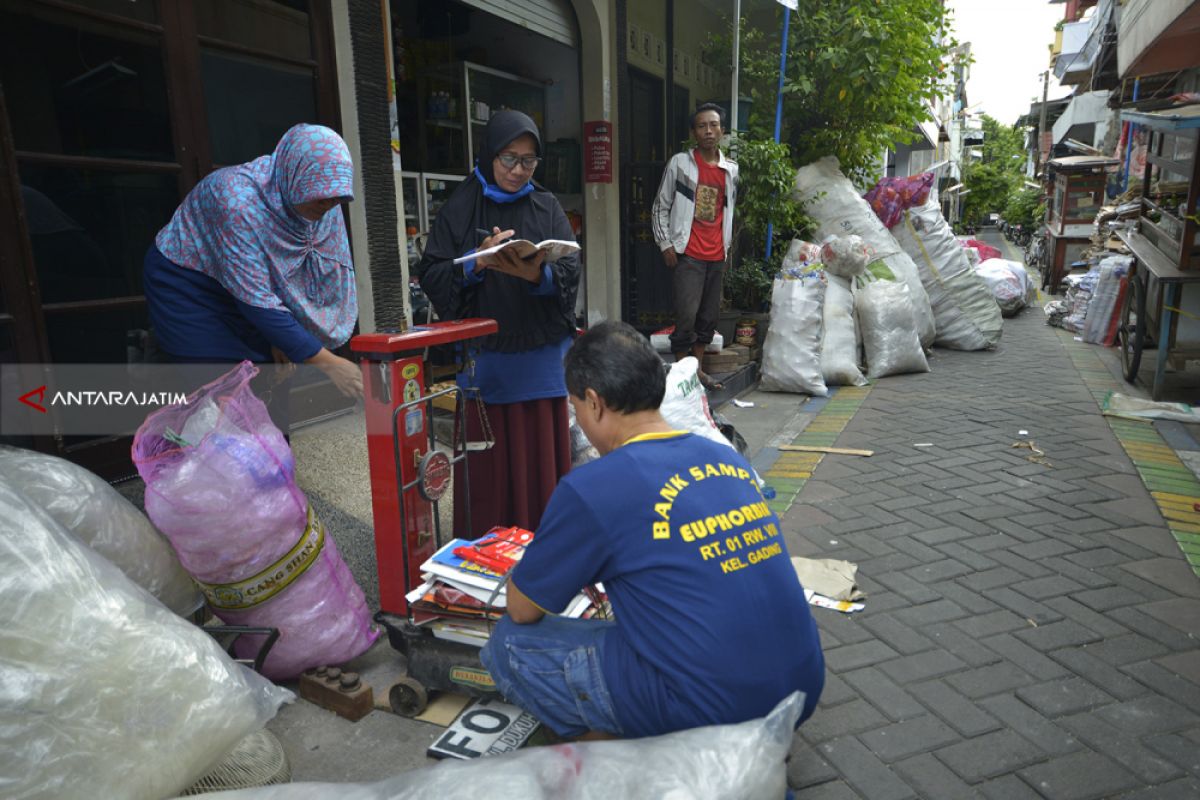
x,y
693,226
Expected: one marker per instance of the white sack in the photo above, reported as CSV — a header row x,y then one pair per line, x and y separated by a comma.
x,y
792,352
104,692
729,762
1008,282
839,348
1104,298
889,337
966,314
833,202
100,517
685,404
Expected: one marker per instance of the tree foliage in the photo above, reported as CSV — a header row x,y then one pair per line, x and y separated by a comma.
x,y
995,177
859,75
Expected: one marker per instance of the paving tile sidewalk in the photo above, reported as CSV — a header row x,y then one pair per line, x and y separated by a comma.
x,y
1031,625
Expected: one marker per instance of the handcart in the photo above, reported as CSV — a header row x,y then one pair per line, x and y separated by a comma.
x,y
1157,312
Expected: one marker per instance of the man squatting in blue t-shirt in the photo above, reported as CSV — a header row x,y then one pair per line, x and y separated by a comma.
x,y
711,625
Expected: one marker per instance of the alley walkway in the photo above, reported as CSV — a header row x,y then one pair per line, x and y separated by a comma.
x,y
1031,623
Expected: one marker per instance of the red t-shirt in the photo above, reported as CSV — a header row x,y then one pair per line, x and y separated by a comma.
x,y
707,242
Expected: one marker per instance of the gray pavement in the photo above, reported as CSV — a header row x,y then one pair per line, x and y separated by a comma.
x,y
1030,628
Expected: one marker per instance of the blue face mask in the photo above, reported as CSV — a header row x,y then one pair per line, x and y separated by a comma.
x,y
498,195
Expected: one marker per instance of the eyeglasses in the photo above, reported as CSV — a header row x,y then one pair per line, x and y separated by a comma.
x,y
510,161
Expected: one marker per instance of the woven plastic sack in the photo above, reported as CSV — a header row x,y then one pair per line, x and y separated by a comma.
x,y
840,346
220,484
885,316
834,204
966,313
685,403
721,762
101,518
792,352
1103,305
105,692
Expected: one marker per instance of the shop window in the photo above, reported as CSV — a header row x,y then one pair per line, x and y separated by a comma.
x,y
73,88
251,102
90,228
277,27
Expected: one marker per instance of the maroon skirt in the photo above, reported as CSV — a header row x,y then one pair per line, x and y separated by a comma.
x,y
511,482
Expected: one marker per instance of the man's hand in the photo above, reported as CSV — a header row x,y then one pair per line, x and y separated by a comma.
x,y
521,609
669,257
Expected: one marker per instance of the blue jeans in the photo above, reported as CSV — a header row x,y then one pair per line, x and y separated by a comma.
x,y
552,669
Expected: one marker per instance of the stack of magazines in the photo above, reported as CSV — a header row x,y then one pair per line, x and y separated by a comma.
x,y
463,590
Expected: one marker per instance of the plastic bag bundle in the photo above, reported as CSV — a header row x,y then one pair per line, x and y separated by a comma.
x,y
1009,284
846,256
1104,299
220,484
890,197
685,404
731,762
101,518
832,201
985,250
104,692
1006,286
889,338
1078,298
966,313
792,352
839,348
800,254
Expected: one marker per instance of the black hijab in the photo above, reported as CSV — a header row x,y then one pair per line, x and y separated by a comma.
x,y
527,321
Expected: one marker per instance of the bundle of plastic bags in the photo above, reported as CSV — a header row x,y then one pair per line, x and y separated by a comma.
x,y
792,352
220,484
834,204
104,692
966,314
685,403
96,513
1008,282
730,762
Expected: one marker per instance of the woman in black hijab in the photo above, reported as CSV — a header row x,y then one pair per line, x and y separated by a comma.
x,y
514,384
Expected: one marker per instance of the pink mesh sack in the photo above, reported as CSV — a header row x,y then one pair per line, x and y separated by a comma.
x,y
220,484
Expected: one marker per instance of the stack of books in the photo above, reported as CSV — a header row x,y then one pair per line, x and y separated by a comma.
x,y
463,592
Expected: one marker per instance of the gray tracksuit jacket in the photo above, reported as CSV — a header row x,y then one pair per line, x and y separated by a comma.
x,y
676,201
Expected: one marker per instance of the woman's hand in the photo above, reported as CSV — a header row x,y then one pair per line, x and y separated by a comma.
x,y
284,368
346,375
498,236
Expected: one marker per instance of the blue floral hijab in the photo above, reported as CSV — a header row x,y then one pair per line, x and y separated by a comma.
x,y
239,226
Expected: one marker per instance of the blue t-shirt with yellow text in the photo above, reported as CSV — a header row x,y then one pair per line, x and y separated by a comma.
x,y
712,625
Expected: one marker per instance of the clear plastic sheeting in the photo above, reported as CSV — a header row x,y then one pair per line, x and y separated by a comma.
x,y
840,347
792,352
721,762
834,204
965,312
104,692
101,518
889,337
220,484
1103,305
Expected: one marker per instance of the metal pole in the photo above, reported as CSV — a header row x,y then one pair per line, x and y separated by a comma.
x,y
1037,161
787,18
737,35
1132,129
